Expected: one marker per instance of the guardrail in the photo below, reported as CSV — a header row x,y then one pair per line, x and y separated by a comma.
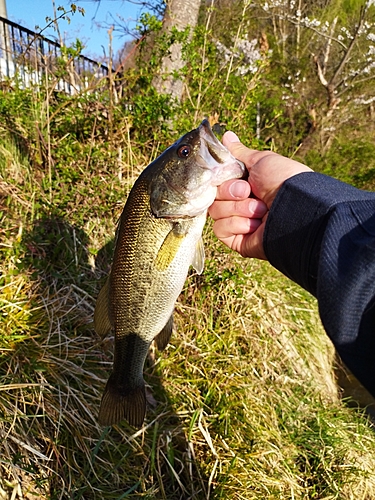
x,y
29,58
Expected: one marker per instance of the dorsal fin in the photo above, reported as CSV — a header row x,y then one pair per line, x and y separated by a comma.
x,y
102,323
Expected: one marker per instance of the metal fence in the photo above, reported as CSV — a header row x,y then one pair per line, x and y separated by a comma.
x,y
27,58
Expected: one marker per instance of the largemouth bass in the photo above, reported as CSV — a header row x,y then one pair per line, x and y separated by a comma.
x,y
158,238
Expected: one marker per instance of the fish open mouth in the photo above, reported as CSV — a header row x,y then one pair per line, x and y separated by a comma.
x,y
217,158
218,152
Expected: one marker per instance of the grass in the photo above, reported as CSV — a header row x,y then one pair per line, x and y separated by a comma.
x,y
247,405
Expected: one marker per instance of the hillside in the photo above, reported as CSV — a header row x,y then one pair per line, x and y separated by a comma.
x,y
248,398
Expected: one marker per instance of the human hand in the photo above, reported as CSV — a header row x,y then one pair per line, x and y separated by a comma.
x,y
239,220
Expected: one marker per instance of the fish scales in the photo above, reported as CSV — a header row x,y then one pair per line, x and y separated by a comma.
x,y
140,303
158,238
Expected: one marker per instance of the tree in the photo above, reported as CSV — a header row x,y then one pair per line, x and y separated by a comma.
x,y
179,15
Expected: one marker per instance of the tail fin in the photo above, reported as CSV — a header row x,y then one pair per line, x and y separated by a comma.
x,y
118,405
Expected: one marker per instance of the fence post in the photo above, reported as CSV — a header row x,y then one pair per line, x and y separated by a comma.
x,y
5,52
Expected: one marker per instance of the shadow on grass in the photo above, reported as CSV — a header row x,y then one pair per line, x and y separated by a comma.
x,y
352,391
87,461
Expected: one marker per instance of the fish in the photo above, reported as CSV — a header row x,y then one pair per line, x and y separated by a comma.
x,y
158,237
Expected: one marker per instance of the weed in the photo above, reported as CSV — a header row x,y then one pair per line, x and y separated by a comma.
x,y
247,401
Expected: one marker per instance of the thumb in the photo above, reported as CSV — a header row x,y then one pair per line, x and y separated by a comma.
x,y
231,141
230,137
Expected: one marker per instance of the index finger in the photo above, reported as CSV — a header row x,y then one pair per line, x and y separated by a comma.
x,y
234,189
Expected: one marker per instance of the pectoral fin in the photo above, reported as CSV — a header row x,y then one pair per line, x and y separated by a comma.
x,y
198,259
169,248
162,339
102,323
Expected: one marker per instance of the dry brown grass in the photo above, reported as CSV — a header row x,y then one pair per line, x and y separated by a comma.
x,y
247,404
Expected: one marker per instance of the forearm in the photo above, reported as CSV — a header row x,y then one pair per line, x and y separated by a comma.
x,y
321,233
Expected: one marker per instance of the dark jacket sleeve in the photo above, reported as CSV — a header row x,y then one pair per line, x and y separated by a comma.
x,y
320,232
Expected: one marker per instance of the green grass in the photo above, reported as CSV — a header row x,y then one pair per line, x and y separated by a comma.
x,y
247,402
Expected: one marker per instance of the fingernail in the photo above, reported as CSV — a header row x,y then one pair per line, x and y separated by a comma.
x,y
238,189
231,136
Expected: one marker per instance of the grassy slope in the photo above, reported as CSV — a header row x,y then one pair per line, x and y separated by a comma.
x,y
247,405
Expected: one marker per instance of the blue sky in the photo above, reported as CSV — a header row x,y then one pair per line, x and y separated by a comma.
x,y
30,13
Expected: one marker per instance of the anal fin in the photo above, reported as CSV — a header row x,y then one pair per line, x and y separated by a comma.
x,y
164,336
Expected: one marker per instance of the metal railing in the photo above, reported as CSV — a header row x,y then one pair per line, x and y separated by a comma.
x,y
28,58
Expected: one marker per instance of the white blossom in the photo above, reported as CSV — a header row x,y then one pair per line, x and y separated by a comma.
x,y
245,52
346,33
311,23
369,68
363,100
226,53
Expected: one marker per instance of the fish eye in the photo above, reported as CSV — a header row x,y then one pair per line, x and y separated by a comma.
x,y
184,151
